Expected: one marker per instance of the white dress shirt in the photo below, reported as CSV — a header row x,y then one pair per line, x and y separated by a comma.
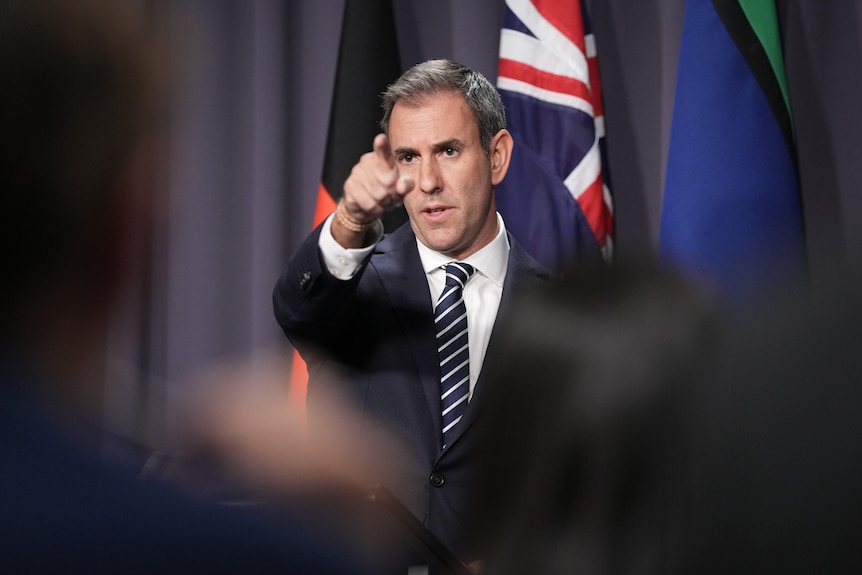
x,y
481,294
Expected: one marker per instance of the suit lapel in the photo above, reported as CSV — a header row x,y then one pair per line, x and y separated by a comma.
x,y
397,263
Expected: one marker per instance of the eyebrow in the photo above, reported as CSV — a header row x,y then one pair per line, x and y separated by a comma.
x,y
451,143
398,152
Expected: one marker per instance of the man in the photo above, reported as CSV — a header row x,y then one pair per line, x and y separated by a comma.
x,y
79,101
360,305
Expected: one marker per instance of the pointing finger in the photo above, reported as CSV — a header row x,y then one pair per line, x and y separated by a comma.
x,y
383,149
404,185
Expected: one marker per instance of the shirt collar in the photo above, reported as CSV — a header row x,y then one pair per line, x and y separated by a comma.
x,y
491,261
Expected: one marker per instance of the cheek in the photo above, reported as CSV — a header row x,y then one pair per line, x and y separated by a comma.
x,y
475,185
410,200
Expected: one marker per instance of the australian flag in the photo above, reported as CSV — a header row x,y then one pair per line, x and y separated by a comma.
x,y
555,199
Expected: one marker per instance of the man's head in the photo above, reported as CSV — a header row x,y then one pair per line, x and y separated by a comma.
x,y
446,126
435,76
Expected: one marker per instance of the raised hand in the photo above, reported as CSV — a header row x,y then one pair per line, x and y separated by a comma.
x,y
373,188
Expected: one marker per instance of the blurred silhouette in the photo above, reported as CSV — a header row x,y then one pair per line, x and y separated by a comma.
x,y
775,469
242,440
592,371
81,103
663,437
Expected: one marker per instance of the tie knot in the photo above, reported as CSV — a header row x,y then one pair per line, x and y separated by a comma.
x,y
457,273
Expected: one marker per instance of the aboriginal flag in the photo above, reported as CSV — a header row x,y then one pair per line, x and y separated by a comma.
x,y
368,61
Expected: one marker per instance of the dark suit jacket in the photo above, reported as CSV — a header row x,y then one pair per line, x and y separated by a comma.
x,y
375,333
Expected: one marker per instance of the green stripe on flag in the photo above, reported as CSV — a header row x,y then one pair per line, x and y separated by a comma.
x,y
763,18
768,70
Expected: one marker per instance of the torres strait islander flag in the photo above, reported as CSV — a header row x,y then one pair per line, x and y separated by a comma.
x,y
368,61
731,213
554,199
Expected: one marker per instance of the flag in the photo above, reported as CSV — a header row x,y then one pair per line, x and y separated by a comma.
x,y
554,199
731,211
368,61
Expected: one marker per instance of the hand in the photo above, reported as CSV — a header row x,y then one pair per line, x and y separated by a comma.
x,y
373,188
239,417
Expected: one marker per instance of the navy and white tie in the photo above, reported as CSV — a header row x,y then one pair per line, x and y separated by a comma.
x,y
450,316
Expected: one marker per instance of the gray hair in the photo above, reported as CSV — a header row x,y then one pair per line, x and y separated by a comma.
x,y
436,76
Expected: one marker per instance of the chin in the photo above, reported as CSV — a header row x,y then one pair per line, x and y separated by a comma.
x,y
444,247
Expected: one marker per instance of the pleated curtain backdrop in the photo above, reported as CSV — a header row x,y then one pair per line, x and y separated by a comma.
x,y
247,129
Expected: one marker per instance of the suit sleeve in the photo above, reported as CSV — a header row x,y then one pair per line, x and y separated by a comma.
x,y
313,307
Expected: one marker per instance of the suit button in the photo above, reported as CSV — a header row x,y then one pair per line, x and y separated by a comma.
x,y
437,479
306,277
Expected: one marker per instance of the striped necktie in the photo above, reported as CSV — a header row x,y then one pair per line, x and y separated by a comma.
x,y
450,316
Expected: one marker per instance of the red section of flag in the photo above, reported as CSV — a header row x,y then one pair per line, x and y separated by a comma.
x,y
592,203
325,206
541,79
595,87
565,17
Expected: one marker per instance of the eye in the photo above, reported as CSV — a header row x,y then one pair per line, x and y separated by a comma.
x,y
406,158
449,152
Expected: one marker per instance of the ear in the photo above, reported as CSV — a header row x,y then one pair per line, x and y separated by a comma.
x,y
501,154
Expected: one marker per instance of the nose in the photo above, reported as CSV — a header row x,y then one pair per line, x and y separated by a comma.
x,y
429,176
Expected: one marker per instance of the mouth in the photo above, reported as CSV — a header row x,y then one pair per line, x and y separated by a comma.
x,y
435,210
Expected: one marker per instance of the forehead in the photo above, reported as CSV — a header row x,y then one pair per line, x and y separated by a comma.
x,y
435,118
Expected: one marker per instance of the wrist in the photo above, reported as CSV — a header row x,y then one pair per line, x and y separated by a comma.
x,y
350,222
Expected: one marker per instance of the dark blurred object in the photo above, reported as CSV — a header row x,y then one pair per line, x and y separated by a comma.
x,y
244,442
81,104
776,468
664,438
81,97
592,371
399,543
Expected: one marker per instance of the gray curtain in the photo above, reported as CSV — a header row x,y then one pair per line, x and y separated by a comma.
x,y
252,87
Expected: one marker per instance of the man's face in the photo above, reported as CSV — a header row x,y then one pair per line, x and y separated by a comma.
x,y
451,207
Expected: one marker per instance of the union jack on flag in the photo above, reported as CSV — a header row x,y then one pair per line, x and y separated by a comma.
x,y
554,199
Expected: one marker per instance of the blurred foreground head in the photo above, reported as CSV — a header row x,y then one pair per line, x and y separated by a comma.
x,y
79,112
79,99
654,436
775,469
585,398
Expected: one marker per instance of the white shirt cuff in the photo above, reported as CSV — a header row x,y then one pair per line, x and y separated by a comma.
x,y
340,261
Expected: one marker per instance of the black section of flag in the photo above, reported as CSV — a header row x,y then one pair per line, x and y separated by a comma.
x,y
752,51
368,61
